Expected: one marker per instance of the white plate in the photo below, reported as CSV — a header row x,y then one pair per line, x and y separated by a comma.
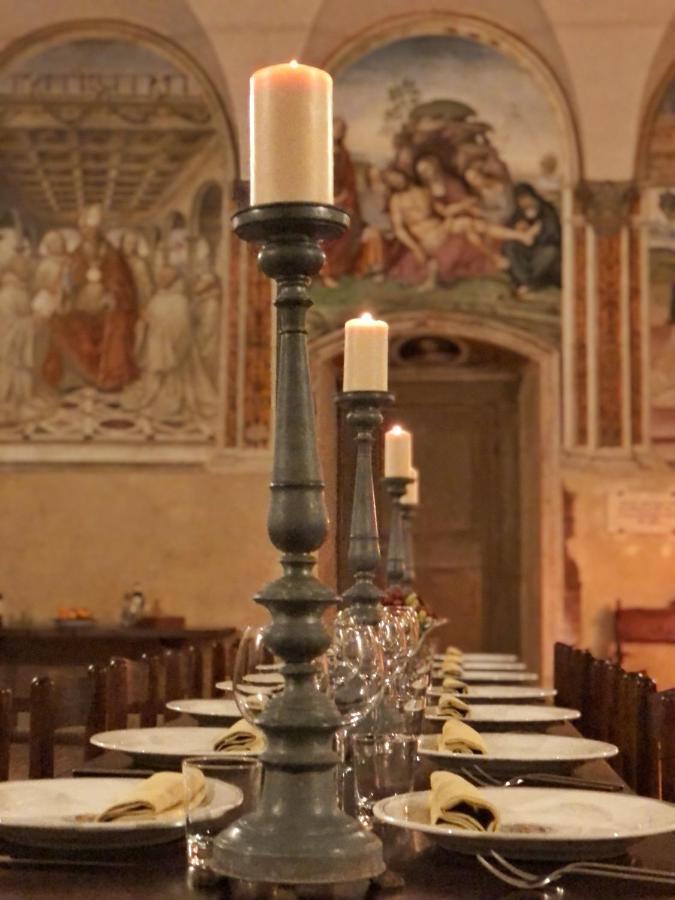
x,y
503,716
515,752
42,813
482,657
479,676
579,824
245,688
208,712
488,665
513,693
163,747
264,678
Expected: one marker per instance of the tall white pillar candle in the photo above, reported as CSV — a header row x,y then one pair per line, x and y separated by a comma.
x,y
412,491
366,354
397,453
291,119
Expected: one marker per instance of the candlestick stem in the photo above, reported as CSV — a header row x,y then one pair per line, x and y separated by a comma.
x,y
363,597
407,514
296,834
396,549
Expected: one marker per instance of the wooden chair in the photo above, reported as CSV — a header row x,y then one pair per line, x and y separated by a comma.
x,y
57,703
134,689
578,696
631,731
562,656
661,744
180,678
603,677
223,653
6,727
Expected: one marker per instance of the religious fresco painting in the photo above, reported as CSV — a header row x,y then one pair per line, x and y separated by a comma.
x,y
660,215
111,166
447,157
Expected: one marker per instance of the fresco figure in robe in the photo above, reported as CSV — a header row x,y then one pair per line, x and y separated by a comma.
x,y
92,340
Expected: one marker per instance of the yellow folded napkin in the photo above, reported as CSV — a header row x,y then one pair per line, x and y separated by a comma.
x,y
458,737
451,667
451,705
454,686
242,737
458,803
162,796
453,651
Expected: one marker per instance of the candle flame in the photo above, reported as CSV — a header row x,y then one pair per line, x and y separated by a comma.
x,y
396,429
366,317
293,64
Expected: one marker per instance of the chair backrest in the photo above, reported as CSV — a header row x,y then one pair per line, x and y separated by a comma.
x,y
662,745
603,677
631,730
134,688
579,672
62,702
6,727
562,656
179,676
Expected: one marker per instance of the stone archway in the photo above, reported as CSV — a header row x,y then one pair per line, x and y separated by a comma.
x,y
541,607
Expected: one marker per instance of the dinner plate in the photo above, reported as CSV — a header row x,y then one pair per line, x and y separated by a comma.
x,y
482,657
504,717
164,747
542,823
500,693
515,752
246,688
264,678
489,665
207,712
480,676
43,813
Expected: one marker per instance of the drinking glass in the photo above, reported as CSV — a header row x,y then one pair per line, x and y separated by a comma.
x,y
384,764
255,678
244,773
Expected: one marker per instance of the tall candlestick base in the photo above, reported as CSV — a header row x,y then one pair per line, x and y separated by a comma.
x,y
364,596
407,514
396,549
296,834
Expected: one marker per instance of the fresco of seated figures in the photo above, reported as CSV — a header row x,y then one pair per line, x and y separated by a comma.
x,y
448,159
110,249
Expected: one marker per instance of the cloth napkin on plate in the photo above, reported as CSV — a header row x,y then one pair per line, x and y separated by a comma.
x,y
160,797
451,705
454,686
242,737
456,802
458,737
451,667
453,651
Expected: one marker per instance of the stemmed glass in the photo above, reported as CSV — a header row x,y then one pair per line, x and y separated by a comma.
x,y
256,677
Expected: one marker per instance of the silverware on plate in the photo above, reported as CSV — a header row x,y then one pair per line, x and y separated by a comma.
x,y
478,776
506,871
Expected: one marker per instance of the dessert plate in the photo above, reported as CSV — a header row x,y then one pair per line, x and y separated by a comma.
x,y
45,813
542,823
515,752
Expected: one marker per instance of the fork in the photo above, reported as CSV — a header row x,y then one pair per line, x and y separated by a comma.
x,y
510,874
481,778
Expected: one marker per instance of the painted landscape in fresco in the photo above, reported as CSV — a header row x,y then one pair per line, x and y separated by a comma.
x,y
661,235
110,215
447,159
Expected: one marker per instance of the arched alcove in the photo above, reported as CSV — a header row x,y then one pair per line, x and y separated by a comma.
x,y
538,616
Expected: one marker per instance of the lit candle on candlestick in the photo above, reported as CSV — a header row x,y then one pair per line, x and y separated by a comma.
x,y
412,491
291,116
397,453
366,354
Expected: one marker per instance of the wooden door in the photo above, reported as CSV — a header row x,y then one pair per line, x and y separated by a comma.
x,y
465,428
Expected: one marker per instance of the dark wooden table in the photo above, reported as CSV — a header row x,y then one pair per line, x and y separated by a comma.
x,y
83,645
429,872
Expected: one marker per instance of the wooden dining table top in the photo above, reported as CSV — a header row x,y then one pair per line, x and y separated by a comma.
x,y
427,871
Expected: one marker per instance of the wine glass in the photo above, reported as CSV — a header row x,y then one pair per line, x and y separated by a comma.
x,y
256,677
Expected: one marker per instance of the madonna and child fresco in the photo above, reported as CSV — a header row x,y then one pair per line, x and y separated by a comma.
x,y
446,158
